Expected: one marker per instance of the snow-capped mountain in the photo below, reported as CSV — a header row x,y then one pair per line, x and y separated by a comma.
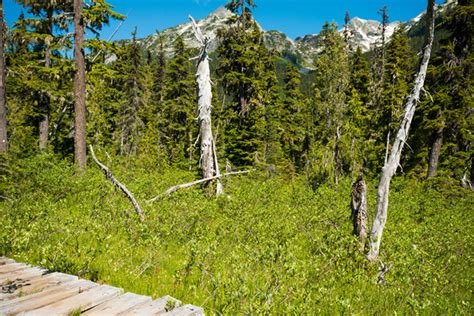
x,y
210,25
362,33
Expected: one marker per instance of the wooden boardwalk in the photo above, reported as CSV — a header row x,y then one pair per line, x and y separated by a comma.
x,y
28,290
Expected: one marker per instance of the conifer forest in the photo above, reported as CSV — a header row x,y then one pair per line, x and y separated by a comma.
x,y
237,173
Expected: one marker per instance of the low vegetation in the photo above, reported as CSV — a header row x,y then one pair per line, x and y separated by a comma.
x,y
268,245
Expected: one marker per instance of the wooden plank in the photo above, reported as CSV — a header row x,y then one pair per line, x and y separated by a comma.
x,y
118,305
80,302
33,291
35,284
5,260
13,266
21,274
50,296
186,310
156,307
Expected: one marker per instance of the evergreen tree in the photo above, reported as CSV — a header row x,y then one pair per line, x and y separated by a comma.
x,y
378,62
293,118
93,17
47,17
446,120
360,117
243,70
37,93
331,82
133,110
178,118
244,9
159,70
395,87
360,75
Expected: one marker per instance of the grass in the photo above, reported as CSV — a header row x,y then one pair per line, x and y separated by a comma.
x,y
270,245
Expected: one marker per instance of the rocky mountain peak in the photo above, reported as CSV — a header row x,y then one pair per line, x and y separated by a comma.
x,y
362,33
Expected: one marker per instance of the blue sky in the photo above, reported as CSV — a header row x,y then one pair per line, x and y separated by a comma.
x,y
293,17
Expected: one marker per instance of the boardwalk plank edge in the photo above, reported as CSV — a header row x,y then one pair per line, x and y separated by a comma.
x,y
29,290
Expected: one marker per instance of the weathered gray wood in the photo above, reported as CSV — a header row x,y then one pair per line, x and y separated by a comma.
x,y
5,260
391,166
35,284
80,302
208,160
35,291
359,209
46,297
12,266
156,307
118,305
186,310
190,184
22,274
119,185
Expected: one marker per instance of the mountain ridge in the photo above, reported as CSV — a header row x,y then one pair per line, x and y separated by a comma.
x,y
363,33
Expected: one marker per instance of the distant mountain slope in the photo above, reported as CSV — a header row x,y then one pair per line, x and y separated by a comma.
x,y
363,33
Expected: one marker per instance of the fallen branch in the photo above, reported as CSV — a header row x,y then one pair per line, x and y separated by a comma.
x,y
190,184
382,271
117,184
6,198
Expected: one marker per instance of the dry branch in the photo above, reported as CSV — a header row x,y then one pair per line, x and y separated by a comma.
x,y
190,184
117,184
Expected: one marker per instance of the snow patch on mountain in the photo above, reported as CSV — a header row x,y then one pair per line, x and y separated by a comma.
x,y
365,34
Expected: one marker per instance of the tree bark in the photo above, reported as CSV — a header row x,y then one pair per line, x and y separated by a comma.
x,y
3,103
208,159
390,167
46,101
472,172
435,152
359,209
79,89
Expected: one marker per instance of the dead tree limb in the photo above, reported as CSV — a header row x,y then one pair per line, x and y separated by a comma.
x,y
118,185
190,184
384,269
112,35
391,165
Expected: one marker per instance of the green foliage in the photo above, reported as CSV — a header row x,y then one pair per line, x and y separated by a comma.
x,y
247,75
178,123
275,246
293,118
329,105
447,107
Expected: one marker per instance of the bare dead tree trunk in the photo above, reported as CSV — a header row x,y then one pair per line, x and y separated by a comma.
x,y
390,167
359,209
79,89
472,172
46,101
435,152
3,102
208,159
337,158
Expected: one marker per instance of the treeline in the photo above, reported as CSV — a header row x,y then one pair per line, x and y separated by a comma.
x,y
144,105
